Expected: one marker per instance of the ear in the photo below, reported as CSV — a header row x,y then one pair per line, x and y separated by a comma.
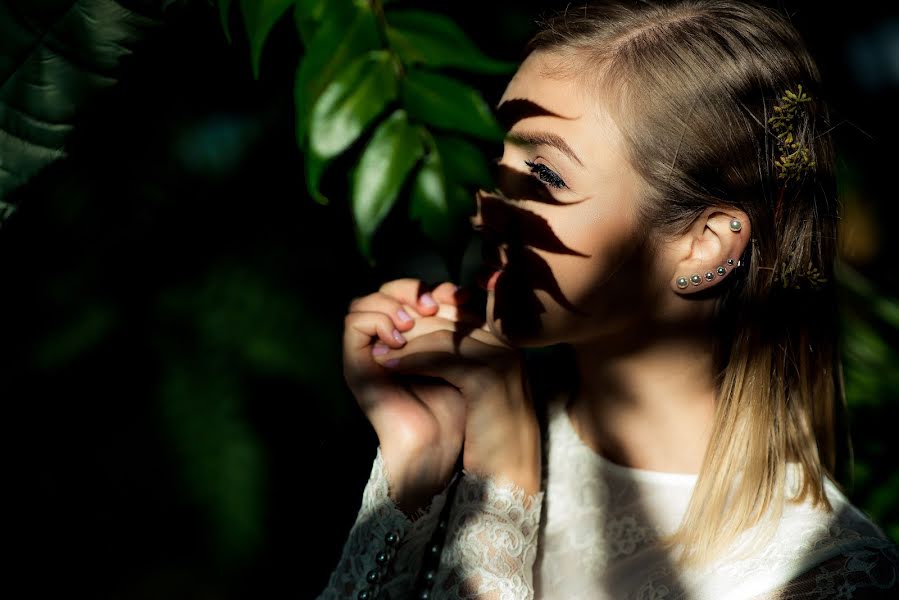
x,y
710,249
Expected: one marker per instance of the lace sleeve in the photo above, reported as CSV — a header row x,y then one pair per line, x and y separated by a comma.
x,y
384,550
491,542
869,571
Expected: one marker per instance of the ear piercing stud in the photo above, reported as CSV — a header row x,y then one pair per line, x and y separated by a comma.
x,y
696,278
735,225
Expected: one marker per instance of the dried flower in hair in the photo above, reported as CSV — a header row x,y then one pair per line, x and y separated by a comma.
x,y
794,161
811,276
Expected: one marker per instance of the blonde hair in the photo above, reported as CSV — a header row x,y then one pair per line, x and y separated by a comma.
x,y
692,85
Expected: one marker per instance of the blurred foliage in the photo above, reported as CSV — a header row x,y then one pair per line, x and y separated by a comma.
x,y
55,56
870,341
174,292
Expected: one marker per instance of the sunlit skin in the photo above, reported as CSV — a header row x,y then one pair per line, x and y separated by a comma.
x,y
643,346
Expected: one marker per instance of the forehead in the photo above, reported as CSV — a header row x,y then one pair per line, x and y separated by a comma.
x,y
564,106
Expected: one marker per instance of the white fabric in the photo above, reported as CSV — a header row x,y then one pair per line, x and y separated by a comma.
x,y
589,534
601,519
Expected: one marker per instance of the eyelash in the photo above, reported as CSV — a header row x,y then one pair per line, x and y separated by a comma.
x,y
546,175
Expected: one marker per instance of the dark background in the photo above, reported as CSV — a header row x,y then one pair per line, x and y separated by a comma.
x,y
174,304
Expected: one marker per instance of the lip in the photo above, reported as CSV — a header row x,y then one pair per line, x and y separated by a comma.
x,y
491,283
486,273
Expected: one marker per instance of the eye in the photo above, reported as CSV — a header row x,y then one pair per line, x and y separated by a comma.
x,y
546,175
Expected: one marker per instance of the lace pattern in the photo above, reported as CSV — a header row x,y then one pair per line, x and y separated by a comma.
x,y
491,543
378,516
869,571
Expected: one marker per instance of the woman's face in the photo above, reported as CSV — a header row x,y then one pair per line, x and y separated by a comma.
x,y
566,222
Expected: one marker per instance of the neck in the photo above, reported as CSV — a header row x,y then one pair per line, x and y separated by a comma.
x,y
650,406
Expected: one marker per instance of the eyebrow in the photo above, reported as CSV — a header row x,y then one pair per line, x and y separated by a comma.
x,y
543,138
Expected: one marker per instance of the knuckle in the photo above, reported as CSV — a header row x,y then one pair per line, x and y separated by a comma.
x,y
401,288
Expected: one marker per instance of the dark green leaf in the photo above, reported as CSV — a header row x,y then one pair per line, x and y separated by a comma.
x,y
358,94
309,14
347,31
54,59
434,40
259,17
463,161
225,16
386,162
448,104
428,203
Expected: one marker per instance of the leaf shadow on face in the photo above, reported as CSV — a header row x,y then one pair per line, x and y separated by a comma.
x,y
503,223
520,232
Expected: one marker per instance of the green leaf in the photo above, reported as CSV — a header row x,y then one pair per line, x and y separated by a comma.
x,y
309,14
386,162
259,18
54,59
428,203
348,30
358,94
225,17
463,161
448,104
434,40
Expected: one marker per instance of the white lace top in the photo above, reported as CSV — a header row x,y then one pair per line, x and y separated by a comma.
x,y
589,535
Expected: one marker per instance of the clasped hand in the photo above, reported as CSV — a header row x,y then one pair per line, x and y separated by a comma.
x,y
438,383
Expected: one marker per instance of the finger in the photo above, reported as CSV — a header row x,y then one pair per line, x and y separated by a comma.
x,y
359,329
450,293
415,293
440,354
402,315
455,318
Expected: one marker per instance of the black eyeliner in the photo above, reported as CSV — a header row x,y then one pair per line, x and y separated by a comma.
x,y
546,174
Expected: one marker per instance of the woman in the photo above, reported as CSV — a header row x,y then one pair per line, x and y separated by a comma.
x,y
667,213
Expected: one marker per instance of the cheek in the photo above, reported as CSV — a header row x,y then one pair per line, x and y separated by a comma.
x,y
606,238
559,294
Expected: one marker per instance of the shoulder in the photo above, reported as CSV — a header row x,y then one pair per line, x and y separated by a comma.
x,y
814,554
848,557
866,571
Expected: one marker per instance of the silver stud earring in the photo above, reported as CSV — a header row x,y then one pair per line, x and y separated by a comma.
x,y
695,279
721,271
735,225
681,282
730,262
709,276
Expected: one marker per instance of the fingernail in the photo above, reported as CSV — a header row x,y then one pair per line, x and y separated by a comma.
x,y
427,300
392,362
398,336
403,315
379,349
